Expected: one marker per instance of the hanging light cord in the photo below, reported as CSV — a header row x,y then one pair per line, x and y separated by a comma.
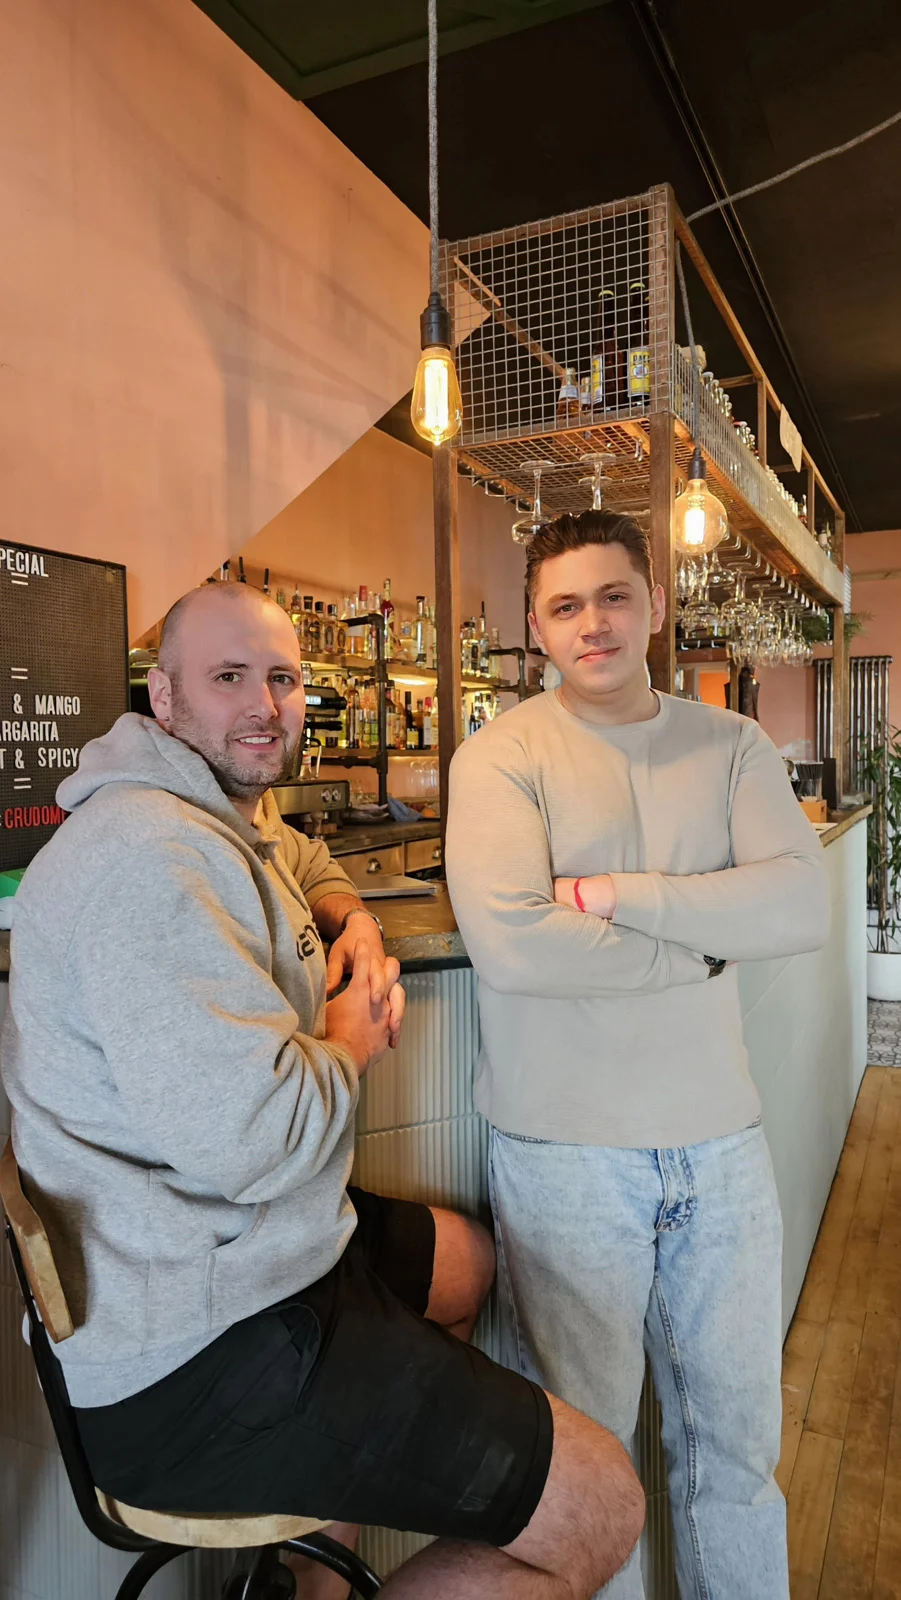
x,y
433,146
695,363
800,166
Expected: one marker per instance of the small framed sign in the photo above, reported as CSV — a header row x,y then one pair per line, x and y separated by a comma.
x,y
63,681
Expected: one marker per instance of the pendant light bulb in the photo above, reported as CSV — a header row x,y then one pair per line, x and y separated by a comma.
x,y
700,522
437,409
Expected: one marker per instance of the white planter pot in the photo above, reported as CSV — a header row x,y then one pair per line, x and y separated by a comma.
x,y
883,976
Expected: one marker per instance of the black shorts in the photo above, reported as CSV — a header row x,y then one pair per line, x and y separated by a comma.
x,y
340,1402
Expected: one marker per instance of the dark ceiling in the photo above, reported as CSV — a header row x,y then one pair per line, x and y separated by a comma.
x,y
550,105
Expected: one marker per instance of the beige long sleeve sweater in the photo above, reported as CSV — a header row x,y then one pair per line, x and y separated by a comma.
x,y
613,1033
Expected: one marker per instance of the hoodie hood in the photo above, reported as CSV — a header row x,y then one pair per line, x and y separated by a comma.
x,y
137,750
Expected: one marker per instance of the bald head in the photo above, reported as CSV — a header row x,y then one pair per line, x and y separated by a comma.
x,y
203,605
229,685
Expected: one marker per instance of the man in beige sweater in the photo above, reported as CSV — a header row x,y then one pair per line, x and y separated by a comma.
x,y
612,853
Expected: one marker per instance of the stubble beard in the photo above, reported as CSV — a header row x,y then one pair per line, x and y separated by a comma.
x,y
237,781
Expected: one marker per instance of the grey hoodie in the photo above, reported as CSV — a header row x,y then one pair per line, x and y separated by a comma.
x,y
181,1125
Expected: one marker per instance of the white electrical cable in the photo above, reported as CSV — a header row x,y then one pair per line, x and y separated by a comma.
x,y
812,161
433,146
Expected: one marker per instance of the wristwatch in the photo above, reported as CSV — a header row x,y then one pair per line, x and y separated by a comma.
x,y
715,966
361,911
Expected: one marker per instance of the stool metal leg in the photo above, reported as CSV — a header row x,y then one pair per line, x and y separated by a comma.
x,y
329,1553
146,1566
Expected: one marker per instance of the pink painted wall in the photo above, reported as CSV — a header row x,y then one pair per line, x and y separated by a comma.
x,y
369,517
205,297
788,694
868,552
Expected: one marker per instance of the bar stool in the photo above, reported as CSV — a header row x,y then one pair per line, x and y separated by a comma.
x,y
156,1537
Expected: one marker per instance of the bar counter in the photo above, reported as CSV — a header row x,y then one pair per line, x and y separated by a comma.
x,y
418,1135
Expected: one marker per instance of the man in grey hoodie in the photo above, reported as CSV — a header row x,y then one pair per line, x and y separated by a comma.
x,y
251,1336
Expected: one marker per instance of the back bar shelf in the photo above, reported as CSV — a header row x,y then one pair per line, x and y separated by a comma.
x,y
592,295
565,341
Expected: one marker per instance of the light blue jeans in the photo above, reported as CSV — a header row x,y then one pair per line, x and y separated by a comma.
x,y
605,1255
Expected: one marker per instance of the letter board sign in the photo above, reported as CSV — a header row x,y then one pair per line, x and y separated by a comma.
x,y
63,681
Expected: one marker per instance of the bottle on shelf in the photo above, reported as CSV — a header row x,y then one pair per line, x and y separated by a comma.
x,y
341,636
225,572
465,648
280,599
376,629
484,645
352,715
242,576
409,722
422,659
428,739
568,399
387,610
305,632
607,360
475,654
329,630
418,717
314,624
802,513
362,634
266,582
639,354
295,612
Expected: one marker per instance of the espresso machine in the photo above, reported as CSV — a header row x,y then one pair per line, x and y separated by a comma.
x,y
310,803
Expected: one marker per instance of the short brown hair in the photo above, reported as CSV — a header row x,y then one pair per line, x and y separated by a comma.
x,y
570,532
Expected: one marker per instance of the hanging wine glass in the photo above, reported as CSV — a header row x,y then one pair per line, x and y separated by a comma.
x,y
597,461
525,528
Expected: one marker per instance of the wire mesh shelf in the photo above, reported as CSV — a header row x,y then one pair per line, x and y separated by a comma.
x,y
564,340
563,322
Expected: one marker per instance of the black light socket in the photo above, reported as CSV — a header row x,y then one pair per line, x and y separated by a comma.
x,y
696,470
434,324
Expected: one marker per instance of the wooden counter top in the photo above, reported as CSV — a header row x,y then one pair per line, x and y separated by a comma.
x,y
423,933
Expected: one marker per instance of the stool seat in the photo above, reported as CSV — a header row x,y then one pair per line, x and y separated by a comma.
x,y
208,1532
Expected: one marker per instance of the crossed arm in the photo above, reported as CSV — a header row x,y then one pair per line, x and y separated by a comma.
x,y
772,901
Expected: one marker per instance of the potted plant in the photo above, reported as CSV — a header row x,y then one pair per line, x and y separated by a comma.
x,y
881,773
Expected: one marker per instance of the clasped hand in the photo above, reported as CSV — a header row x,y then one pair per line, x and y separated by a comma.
x,y
368,1016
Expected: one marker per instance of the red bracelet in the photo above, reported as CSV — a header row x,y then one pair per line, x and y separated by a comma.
x,y
576,895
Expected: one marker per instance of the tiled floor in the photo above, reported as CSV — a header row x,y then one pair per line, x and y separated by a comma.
x,y
885,1033
841,1375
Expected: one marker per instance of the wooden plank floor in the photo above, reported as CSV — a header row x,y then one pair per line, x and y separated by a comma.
x,y
841,1376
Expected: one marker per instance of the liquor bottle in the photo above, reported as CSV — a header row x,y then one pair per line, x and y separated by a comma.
x,y
428,739
418,718
340,633
802,514
329,630
280,599
585,406
242,578
376,629
475,654
315,627
225,572
484,644
435,738
431,648
390,719
352,714
409,724
296,614
387,610
421,624
568,399
465,649
639,344
605,360
306,624
266,582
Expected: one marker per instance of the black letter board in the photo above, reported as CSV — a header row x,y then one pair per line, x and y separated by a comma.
x,y
63,681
